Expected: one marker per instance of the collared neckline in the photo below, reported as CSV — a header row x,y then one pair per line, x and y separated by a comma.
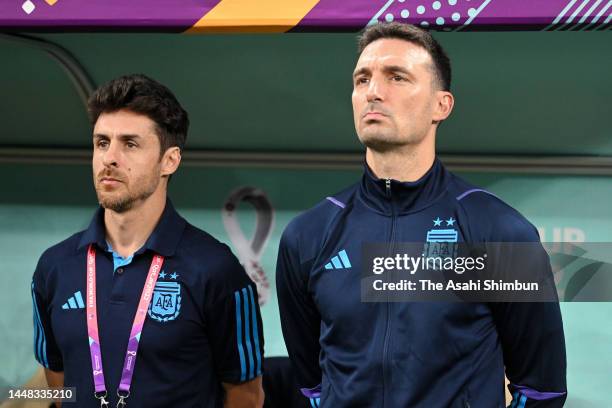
x,y
163,240
390,196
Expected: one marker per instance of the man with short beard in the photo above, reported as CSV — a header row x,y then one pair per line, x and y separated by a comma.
x,y
143,308
348,352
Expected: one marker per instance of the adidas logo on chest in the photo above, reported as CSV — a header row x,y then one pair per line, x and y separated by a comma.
x,y
74,302
340,261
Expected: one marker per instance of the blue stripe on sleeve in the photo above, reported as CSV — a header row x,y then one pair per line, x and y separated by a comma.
x,y
239,336
255,331
312,403
247,333
36,339
523,401
514,399
318,402
37,333
43,340
40,342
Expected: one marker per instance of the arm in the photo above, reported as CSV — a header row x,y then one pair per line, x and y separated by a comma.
x,y
55,380
46,351
246,395
534,352
531,334
300,319
533,346
235,333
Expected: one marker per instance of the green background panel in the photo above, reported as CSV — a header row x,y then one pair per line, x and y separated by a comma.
x,y
519,92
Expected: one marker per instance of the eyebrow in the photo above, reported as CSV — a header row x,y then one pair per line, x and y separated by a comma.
x,y
386,69
397,68
360,71
126,136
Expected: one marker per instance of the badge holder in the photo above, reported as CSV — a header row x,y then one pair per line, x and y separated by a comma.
x,y
102,397
121,403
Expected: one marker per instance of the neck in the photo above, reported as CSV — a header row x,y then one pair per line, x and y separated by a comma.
x,y
407,163
128,231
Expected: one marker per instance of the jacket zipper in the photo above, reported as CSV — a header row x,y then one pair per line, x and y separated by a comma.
x,y
386,337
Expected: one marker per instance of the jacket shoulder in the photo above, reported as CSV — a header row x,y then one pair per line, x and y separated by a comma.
x,y
491,218
308,230
61,250
201,247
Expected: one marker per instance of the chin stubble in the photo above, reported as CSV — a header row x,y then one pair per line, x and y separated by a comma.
x,y
126,203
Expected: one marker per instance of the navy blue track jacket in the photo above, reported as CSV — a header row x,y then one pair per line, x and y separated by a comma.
x,y
349,353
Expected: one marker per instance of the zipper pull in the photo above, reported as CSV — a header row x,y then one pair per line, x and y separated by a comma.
x,y
388,186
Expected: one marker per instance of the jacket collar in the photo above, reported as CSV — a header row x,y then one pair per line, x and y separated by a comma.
x,y
163,240
390,196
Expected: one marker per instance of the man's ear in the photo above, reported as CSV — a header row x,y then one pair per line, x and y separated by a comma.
x,y
170,161
443,105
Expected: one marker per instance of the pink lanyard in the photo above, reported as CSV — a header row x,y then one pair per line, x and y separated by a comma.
x,y
92,330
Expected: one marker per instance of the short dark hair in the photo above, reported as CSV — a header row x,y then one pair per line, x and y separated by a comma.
x,y
141,94
415,35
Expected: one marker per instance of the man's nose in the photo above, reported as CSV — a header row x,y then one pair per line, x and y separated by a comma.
x,y
110,156
375,90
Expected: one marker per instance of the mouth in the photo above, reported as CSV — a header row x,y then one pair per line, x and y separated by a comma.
x,y
109,181
374,115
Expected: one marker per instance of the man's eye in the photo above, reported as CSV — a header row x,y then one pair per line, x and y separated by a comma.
x,y
397,78
131,145
102,144
361,80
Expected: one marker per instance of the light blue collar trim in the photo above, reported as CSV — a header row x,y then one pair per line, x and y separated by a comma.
x,y
118,260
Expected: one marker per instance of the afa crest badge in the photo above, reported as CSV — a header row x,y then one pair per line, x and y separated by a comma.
x,y
442,242
166,302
